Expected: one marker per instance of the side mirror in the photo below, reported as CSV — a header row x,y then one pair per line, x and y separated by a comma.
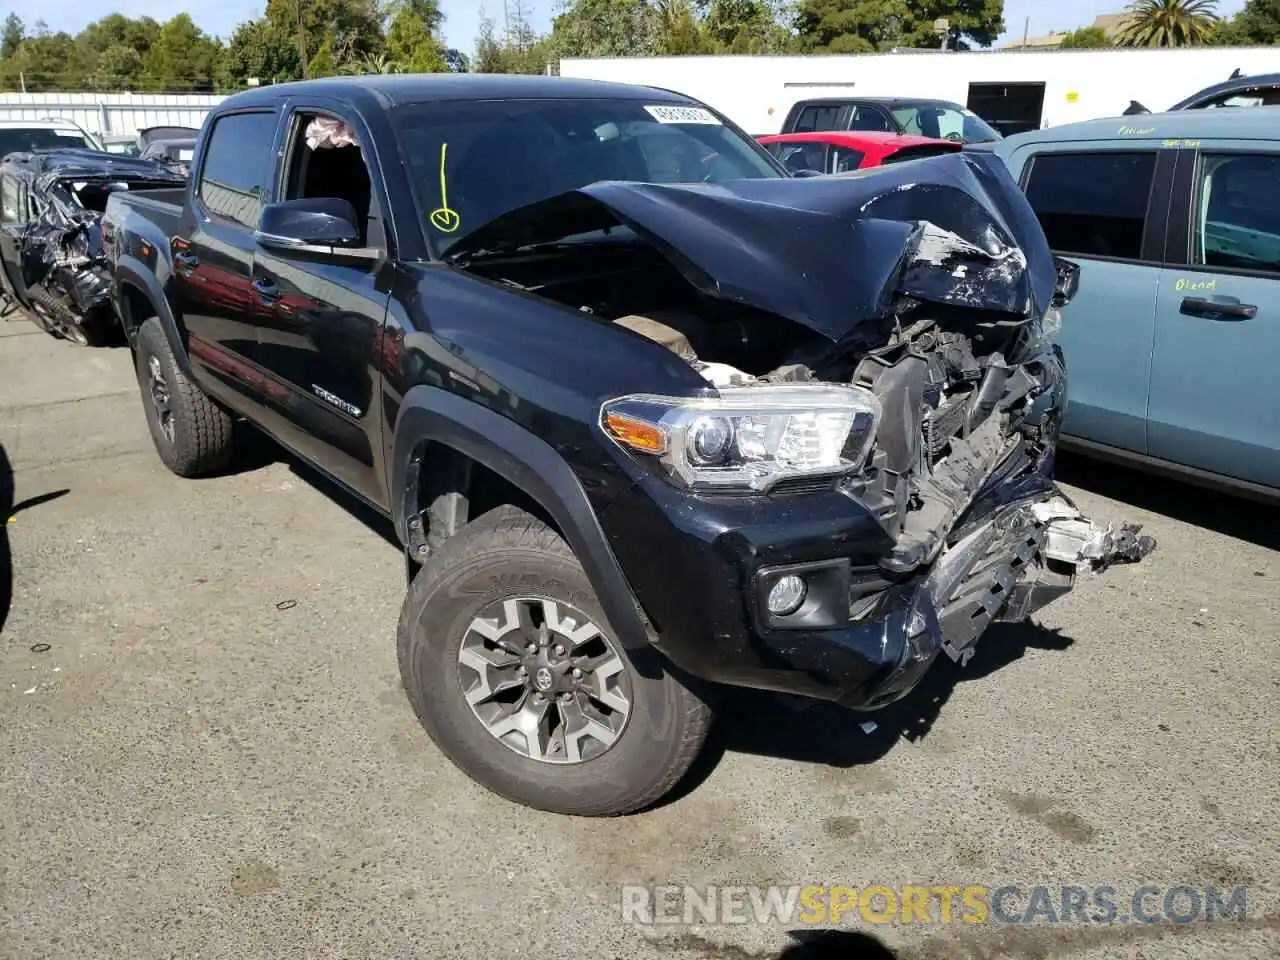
x,y
313,226
1068,281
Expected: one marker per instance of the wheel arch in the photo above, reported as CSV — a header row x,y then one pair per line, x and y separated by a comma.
x,y
447,448
140,297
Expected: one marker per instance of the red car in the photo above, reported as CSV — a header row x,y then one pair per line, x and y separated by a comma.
x,y
838,151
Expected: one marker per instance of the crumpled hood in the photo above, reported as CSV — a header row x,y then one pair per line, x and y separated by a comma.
x,y
827,252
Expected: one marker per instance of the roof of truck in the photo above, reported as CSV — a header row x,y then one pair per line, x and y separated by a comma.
x,y
392,89
1230,123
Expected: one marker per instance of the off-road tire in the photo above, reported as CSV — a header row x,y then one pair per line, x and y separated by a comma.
x,y
508,553
201,441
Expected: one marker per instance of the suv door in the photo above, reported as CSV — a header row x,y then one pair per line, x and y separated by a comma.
x,y
213,262
13,225
1213,374
322,318
1099,204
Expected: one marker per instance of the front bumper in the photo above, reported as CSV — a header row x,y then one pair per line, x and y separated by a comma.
x,y
704,575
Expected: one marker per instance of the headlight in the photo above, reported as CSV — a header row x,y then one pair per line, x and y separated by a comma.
x,y
749,438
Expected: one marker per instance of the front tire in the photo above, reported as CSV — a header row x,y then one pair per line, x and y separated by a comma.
x,y
508,672
191,433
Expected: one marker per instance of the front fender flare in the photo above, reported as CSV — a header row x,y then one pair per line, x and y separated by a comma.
x,y
429,414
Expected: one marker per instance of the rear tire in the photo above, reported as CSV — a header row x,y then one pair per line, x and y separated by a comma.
x,y
191,433
94,330
452,619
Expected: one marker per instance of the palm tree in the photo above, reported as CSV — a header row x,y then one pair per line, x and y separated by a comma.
x,y
373,63
1168,23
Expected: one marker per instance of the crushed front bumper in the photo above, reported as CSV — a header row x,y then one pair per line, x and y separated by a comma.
x,y
702,575
1020,558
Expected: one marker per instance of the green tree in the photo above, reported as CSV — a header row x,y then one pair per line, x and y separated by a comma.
x,y
743,26
1168,23
259,50
1086,38
182,58
117,68
680,29
457,61
323,63
607,28
413,44
1257,24
46,62
831,25
14,32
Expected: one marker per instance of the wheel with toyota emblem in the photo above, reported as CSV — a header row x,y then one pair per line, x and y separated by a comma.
x,y
507,659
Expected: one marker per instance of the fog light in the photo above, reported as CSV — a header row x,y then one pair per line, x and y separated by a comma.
x,y
786,595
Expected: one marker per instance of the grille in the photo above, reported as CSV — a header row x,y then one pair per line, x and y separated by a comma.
x,y
801,485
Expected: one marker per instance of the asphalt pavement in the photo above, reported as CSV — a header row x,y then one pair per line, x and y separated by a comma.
x,y
205,751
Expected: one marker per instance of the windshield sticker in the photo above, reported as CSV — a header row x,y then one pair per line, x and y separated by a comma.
x,y
444,218
70,134
668,114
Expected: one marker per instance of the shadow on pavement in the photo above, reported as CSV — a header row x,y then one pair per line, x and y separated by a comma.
x,y
6,558
765,724
8,510
834,945
1228,514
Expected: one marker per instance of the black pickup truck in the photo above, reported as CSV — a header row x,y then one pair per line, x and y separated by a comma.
x,y
649,415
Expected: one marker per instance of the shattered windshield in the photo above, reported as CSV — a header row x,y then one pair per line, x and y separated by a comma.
x,y
18,140
473,161
943,122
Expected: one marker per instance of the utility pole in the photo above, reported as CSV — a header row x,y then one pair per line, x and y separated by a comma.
x,y
1026,28
302,43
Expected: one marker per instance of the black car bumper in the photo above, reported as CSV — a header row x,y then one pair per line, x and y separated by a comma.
x,y
867,636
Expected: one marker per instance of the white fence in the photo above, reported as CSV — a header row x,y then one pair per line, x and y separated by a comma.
x,y
110,113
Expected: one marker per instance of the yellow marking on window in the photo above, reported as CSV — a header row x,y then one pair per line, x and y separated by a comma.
x,y
444,218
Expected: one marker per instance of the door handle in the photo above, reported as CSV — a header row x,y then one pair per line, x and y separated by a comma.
x,y
185,263
266,290
1218,308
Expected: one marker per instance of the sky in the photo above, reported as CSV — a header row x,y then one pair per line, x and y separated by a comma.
x,y
462,17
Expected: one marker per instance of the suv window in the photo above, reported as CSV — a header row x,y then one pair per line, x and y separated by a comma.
x,y
801,156
1092,203
236,166
818,117
1238,212
870,119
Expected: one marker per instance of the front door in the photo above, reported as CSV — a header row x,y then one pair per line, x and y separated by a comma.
x,y
320,338
1093,204
1213,380
213,261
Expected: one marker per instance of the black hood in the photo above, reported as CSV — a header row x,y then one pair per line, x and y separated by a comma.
x,y
826,252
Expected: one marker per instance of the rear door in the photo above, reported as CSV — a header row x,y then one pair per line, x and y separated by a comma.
x,y
1214,386
213,263
1104,205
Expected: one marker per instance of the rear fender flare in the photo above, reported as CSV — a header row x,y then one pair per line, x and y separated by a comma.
x,y
429,414
131,272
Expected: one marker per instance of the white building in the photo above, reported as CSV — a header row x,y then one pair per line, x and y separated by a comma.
x,y
1046,87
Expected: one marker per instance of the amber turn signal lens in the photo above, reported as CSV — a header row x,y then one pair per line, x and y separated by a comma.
x,y
636,433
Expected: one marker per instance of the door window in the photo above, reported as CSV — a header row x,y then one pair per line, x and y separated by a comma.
x,y
327,161
846,159
870,119
818,117
11,201
803,156
1237,222
237,166
1093,204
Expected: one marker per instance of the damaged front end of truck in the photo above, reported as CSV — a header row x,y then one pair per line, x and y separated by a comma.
x,y
54,265
867,479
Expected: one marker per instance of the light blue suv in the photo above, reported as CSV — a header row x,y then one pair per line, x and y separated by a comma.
x,y
1173,340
